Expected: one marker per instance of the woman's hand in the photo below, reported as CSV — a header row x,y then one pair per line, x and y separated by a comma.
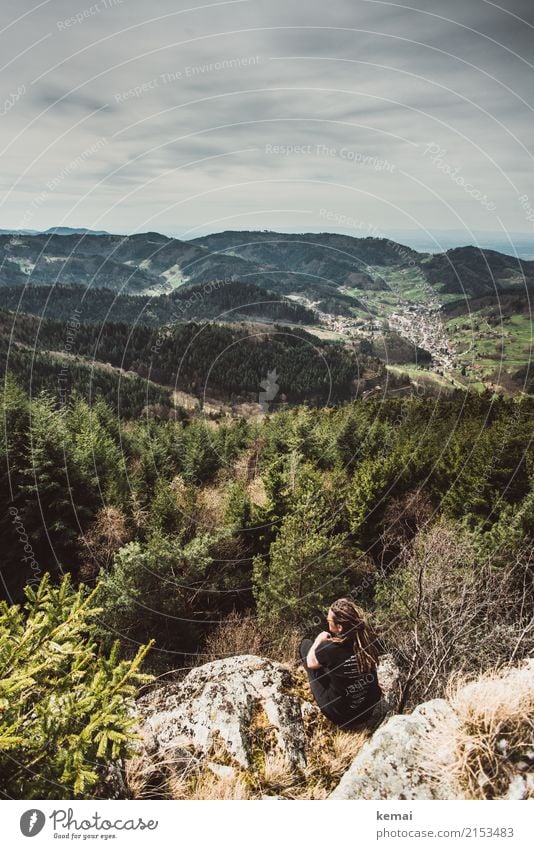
x,y
320,638
311,659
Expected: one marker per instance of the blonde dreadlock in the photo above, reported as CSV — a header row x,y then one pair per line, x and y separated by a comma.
x,y
356,628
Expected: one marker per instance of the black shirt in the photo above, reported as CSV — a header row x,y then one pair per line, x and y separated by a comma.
x,y
352,691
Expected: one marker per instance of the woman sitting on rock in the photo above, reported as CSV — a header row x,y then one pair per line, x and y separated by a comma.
x,y
341,666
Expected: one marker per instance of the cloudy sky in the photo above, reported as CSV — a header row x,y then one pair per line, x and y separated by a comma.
x,y
359,116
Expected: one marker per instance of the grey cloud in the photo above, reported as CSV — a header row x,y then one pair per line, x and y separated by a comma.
x,y
65,102
162,127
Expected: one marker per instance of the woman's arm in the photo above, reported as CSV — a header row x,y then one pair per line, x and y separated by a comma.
x,y
311,660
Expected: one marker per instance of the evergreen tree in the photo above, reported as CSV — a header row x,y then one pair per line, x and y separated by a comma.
x,y
201,460
306,566
158,589
64,705
58,498
164,514
238,508
367,491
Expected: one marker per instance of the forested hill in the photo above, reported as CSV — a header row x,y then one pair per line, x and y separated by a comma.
x,y
473,272
228,361
320,264
343,260
226,300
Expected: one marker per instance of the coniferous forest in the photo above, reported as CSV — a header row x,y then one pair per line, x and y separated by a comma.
x,y
203,517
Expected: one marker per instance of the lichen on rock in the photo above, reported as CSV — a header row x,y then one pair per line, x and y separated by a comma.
x,y
392,764
226,699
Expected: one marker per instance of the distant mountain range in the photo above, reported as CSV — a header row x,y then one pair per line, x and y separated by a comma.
x,y
320,265
518,244
57,231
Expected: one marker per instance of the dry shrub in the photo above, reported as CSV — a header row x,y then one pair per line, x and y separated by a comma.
x,y
495,735
210,507
404,518
180,488
202,508
444,611
107,534
241,633
139,513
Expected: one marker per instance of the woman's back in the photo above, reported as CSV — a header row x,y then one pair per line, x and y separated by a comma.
x,y
352,682
341,664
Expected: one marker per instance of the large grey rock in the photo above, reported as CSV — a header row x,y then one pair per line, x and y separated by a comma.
x,y
405,759
224,704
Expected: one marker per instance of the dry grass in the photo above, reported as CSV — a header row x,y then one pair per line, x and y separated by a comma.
x,y
277,776
144,779
210,786
329,756
345,747
150,773
242,634
495,735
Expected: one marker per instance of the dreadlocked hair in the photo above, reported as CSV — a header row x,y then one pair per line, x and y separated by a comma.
x,y
356,628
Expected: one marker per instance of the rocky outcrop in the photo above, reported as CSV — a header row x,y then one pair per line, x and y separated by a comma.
x,y
394,764
230,712
246,718
477,745
223,707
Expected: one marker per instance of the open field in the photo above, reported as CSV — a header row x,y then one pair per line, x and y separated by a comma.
x,y
424,378
485,347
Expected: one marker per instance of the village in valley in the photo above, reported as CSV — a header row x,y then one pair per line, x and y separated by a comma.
x,y
455,344
419,323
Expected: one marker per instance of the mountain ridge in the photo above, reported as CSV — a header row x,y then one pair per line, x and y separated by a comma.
x,y
284,262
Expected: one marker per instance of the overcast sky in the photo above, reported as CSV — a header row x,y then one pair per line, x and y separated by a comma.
x,y
358,116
